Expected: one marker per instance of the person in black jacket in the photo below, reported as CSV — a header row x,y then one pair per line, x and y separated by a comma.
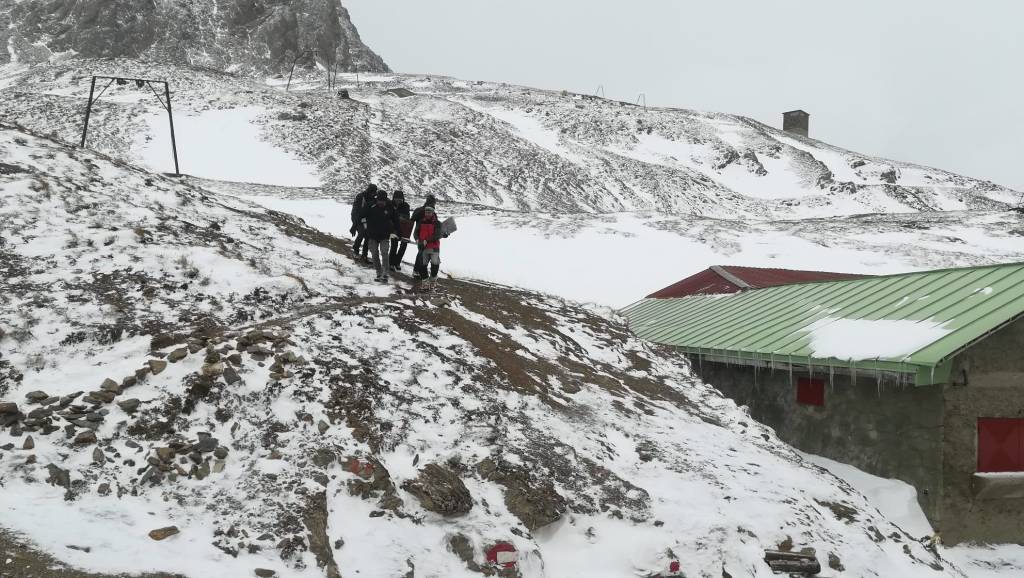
x,y
380,222
362,200
398,246
431,202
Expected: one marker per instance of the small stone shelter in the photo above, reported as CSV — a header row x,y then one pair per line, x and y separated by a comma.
x,y
796,121
918,377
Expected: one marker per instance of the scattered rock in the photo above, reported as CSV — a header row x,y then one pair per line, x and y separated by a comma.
x,y
235,359
85,549
440,490
164,340
103,396
110,385
213,369
157,366
323,457
85,438
463,548
8,408
231,376
58,477
36,396
264,573
98,457
220,453
129,405
165,454
176,356
30,444
218,466
202,471
103,489
206,444
323,427
835,563
130,381
163,533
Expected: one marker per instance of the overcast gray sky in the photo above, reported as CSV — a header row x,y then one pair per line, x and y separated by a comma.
x,y
938,82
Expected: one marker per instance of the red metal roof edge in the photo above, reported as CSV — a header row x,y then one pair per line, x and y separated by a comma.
x,y
710,281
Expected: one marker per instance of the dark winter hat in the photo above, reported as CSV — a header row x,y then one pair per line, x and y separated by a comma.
x,y
382,195
372,188
399,194
431,200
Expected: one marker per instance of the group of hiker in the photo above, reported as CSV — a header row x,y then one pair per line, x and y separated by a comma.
x,y
384,226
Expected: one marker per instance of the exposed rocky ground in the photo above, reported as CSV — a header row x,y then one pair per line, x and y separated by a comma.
x,y
192,384
507,147
232,35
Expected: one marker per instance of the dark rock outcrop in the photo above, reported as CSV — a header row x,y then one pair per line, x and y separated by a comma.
x,y
254,35
533,500
440,490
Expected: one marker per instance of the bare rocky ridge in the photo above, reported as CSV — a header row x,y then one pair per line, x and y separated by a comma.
x,y
237,371
235,35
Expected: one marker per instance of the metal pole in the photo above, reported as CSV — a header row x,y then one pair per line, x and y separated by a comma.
x,y
170,115
292,71
88,109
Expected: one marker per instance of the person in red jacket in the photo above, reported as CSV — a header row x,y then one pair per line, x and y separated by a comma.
x,y
428,239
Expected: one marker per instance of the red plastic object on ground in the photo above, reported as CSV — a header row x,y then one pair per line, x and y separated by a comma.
x,y
503,554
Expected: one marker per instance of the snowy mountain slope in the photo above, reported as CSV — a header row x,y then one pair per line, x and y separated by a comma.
x,y
283,413
511,147
235,35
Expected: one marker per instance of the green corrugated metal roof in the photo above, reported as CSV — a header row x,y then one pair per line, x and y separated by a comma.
x,y
796,323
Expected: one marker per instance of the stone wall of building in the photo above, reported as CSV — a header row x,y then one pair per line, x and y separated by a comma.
x,y
796,123
988,381
890,430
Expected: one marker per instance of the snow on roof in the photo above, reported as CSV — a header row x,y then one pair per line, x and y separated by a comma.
x,y
860,339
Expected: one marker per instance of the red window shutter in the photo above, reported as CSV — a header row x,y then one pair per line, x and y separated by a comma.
x,y
1000,444
810,391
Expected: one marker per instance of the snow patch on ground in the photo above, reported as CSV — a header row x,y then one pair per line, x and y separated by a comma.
x,y
224,145
895,499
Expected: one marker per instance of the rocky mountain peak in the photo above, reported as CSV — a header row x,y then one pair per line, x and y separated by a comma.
x,y
235,35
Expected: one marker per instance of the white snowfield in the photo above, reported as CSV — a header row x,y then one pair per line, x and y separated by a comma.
x,y
225,145
649,465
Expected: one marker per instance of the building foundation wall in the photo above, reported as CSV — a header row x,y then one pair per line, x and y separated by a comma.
x,y
883,428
